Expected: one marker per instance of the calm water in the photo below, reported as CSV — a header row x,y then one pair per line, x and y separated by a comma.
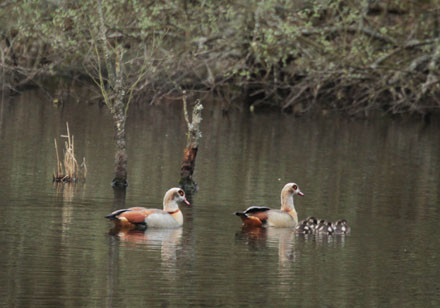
x,y
381,175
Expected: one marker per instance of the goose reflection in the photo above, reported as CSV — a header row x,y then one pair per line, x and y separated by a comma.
x,y
283,239
168,240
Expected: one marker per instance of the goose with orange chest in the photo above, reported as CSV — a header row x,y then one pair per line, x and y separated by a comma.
x,y
286,217
140,218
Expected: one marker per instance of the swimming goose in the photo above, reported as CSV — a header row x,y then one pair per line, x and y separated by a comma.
x,y
321,223
341,227
304,227
326,228
140,217
312,222
257,216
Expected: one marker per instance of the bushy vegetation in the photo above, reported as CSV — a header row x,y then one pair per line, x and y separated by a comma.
x,y
352,55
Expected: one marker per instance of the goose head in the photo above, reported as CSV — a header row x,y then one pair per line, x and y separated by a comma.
x,y
291,189
173,197
287,193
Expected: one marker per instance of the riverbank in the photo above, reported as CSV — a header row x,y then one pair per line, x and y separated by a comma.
x,y
350,57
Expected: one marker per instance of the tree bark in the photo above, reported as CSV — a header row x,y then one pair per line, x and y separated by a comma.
x,y
189,162
190,152
119,118
121,157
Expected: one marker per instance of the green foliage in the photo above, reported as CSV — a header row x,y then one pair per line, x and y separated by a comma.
x,y
323,48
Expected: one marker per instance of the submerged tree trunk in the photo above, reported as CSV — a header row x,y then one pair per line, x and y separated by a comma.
x,y
190,152
189,163
121,158
119,119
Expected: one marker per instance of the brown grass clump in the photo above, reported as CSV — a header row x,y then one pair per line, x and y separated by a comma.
x,y
69,170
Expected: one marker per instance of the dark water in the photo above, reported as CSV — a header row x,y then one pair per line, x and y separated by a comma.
x,y
381,175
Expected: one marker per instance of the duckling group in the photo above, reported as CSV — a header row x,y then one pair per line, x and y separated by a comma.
x,y
312,225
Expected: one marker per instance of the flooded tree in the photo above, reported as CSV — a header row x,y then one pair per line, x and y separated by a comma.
x,y
86,41
118,72
111,83
192,144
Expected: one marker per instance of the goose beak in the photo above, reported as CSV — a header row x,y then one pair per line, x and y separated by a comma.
x,y
187,202
300,193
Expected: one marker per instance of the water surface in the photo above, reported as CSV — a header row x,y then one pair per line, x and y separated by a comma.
x,y
382,175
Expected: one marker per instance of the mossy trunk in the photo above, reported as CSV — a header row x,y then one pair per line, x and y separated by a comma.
x,y
119,118
190,152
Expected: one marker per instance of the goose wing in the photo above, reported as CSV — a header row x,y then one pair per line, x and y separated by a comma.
x,y
134,215
256,209
254,216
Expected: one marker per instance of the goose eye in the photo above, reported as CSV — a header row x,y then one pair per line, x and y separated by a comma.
x,y
181,193
295,187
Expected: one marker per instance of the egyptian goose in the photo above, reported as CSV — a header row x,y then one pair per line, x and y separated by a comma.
x,y
140,217
326,228
312,222
321,224
341,227
304,228
257,216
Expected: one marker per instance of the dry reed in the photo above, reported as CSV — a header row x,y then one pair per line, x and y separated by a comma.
x,y
69,170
